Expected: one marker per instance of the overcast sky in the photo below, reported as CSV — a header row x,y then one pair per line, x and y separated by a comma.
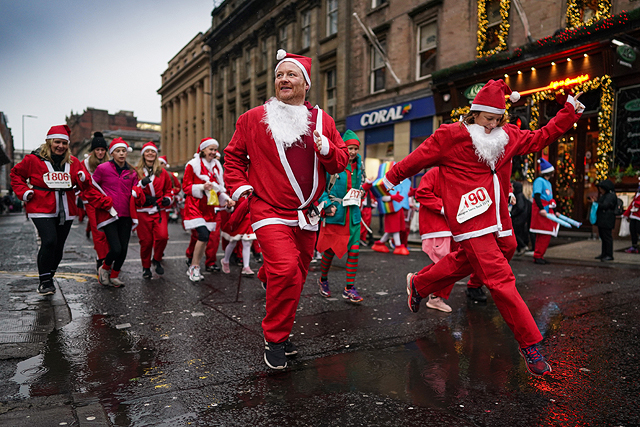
x,y
66,55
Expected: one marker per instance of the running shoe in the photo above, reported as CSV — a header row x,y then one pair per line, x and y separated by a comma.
x,y
290,348
225,267
146,273
103,276
476,294
437,303
535,361
116,283
324,288
158,267
194,273
47,288
632,250
414,297
351,294
247,271
274,355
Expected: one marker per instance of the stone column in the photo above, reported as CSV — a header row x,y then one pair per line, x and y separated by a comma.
x,y
191,114
199,111
175,130
183,128
208,115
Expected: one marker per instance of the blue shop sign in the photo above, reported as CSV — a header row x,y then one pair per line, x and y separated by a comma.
x,y
416,109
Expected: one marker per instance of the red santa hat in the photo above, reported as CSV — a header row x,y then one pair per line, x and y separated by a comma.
x,y
491,97
59,132
149,146
118,143
207,142
303,62
163,159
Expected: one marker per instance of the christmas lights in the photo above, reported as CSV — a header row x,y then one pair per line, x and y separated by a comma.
x,y
457,112
483,24
566,181
575,8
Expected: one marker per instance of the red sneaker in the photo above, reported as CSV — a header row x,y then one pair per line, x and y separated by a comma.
x,y
380,247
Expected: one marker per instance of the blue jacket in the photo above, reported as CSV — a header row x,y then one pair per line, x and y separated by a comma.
x,y
339,190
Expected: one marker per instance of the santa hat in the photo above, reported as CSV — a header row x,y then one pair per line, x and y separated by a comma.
x,y
545,166
303,62
119,143
207,142
59,132
491,97
98,141
163,159
149,146
350,138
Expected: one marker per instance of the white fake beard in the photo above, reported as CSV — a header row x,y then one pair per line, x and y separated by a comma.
x,y
287,124
489,147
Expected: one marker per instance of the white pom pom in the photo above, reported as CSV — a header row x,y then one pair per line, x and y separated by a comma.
x,y
129,149
515,96
86,155
281,54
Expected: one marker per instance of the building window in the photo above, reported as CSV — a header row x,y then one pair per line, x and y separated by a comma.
x,y
331,92
332,17
220,79
377,3
427,46
247,63
282,38
232,73
263,55
377,69
586,12
306,29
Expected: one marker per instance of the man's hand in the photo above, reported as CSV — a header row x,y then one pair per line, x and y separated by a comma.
x,y
543,213
29,196
208,186
230,203
330,211
245,194
317,139
166,201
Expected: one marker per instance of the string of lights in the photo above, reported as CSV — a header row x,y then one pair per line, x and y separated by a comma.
x,y
575,13
483,25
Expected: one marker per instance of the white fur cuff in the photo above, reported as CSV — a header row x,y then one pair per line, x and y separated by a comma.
x,y
387,183
577,105
222,198
197,191
236,194
26,194
325,146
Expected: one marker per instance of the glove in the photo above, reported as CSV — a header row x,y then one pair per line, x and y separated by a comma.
x,y
149,200
79,203
397,197
145,181
166,201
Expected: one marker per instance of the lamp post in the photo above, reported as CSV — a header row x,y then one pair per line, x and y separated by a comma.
x,y
23,116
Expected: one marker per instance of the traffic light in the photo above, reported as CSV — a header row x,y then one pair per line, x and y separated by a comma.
x,y
520,120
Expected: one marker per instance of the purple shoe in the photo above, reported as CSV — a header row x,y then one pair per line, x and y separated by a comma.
x,y
351,294
324,288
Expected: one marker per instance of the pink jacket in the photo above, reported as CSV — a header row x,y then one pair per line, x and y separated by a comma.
x,y
119,187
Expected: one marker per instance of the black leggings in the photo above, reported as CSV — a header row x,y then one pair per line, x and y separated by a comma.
x,y
634,227
53,235
118,234
203,233
607,241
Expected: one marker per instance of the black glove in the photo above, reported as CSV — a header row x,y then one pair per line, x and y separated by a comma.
x,y
79,204
145,181
166,201
149,200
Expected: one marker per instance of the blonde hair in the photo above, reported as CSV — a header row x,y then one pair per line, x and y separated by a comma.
x,y
94,161
156,167
470,118
45,152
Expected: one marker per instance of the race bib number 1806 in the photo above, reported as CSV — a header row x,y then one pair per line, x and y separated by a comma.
x,y
57,179
473,203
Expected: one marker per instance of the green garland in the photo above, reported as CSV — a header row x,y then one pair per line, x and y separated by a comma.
x,y
483,24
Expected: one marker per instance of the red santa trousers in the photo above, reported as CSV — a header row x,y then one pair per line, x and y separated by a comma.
x,y
542,243
100,243
287,252
153,234
212,246
488,257
366,218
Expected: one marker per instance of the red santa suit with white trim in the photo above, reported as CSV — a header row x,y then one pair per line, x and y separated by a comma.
x,y
274,153
474,174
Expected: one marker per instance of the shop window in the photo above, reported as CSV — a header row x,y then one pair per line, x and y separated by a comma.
x,y
332,17
377,69
331,92
305,26
427,46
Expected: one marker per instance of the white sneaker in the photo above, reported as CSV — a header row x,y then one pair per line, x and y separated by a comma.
x,y
194,273
437,303
247,271
103,276
116,282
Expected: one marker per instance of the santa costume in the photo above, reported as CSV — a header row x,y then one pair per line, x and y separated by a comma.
x,y
632,214
543,227
238,229
394,221
273,153
475,167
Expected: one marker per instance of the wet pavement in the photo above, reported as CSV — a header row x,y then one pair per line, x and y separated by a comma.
x,y
166,352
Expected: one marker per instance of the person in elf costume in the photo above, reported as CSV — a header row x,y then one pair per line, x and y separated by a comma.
x,y
340,230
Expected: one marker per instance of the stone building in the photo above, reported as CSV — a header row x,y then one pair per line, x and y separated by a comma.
x,y
6,153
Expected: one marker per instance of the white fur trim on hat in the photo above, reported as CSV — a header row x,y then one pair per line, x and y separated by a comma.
x,y
120,145
486,108
207,142
515,96
58,136
299,65
148,147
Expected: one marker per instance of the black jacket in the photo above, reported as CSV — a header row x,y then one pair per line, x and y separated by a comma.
x,y
521,211
606,217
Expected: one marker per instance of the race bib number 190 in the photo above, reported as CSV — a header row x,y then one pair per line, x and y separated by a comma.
x,y
57,179
473,204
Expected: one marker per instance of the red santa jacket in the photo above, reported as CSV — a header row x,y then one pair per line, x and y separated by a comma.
x,y
633,211
238,226
159,187
196,210
35,175
475,198
431,214
255,161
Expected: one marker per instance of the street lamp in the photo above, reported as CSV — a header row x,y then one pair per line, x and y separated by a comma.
x,y
23,116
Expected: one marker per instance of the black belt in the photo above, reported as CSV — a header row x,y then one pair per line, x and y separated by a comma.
x,y
311,209
51,189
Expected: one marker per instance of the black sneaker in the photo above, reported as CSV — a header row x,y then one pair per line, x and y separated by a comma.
x,y
476,294
606,258
290,348
258,258
158,267
535,361
274,355
599,256
414,297
146,273
47,288
540,261
212,268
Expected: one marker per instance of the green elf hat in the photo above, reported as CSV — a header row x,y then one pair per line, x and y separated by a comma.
x,y
350,138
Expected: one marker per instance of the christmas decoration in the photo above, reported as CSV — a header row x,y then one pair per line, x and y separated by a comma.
x,y
483,23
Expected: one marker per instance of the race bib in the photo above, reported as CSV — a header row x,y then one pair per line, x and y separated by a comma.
x,y
353,198
473,204
57,179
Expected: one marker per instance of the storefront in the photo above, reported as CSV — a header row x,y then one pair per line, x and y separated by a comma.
x,y
390,133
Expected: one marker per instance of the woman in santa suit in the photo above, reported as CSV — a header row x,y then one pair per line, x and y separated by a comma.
x,y
45,181
152,230
97,156
204,190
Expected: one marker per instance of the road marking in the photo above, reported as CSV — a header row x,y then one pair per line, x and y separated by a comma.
x,y
78,277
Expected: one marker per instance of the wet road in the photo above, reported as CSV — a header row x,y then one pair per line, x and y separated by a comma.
x,y
168,352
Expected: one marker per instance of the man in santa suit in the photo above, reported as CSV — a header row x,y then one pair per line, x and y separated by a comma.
x,y
475,166
281,152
